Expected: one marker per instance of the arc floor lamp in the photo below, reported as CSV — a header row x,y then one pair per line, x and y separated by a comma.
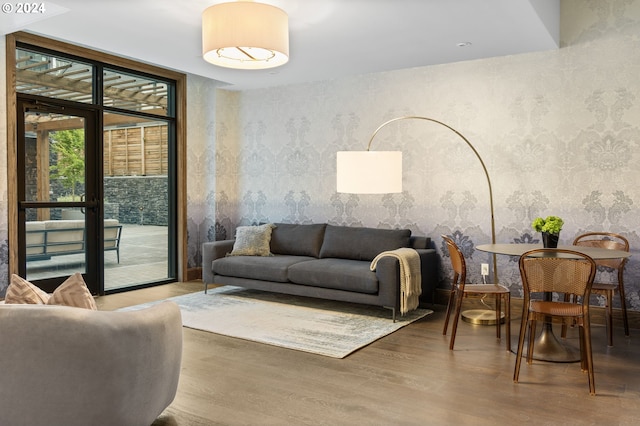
x,y
380,172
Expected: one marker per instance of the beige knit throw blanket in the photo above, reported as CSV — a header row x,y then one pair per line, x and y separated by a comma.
x,y
410,276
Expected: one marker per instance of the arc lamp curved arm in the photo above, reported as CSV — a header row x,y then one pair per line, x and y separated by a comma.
x,y
380,172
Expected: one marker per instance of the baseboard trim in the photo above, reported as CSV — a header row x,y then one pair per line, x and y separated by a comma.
x,y
194,274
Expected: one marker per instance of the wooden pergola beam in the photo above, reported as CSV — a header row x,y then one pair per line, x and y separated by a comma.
x,y
76,123
43,79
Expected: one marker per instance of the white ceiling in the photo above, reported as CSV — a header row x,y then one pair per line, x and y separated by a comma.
x,y
328,38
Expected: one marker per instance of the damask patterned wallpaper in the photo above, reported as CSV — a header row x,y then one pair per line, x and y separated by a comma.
x,y
558,130
201,147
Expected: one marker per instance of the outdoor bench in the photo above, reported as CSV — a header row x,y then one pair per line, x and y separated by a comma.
x,y
61,237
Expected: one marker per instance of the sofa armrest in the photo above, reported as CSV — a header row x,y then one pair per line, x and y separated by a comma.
x,y
388,273
210,252
430,271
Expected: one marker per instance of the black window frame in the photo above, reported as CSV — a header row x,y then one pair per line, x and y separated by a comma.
x,y
97,104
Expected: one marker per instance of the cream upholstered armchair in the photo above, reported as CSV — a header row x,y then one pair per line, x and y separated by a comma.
x,y
69,366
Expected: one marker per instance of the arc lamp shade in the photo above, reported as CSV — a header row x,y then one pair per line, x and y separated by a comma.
x,y
369,172
245,35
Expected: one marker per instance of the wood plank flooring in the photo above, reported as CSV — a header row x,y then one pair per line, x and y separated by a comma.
x,y
407,378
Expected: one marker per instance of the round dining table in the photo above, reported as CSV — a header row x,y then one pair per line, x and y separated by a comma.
x,y
547,346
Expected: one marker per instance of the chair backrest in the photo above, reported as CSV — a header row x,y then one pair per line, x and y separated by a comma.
x,y
457,262
605,240
557,270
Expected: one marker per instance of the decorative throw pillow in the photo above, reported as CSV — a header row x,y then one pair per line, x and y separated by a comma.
x,y
73,292
21,291
252,240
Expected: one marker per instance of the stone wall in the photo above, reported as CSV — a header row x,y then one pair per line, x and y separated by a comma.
x,y
141,200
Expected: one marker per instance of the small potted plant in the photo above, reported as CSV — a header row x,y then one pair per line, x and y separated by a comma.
x,y
550,229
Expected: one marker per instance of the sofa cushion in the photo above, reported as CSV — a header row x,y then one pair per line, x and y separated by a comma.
x,y
361,243
297,240
342,274
272,268
252,240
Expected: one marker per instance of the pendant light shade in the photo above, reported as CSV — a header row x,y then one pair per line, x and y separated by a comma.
x,y
245,35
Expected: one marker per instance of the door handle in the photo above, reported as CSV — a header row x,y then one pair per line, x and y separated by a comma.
x,y
93,204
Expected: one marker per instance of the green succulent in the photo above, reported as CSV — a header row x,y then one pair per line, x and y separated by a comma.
x,y
537,224
551,225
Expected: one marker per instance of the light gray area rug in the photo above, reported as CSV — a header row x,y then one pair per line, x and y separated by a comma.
x,y
323,327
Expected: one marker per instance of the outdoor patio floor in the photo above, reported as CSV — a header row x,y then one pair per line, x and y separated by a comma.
x,y
143,259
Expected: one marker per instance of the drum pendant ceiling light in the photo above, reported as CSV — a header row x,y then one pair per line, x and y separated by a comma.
x,y
245,35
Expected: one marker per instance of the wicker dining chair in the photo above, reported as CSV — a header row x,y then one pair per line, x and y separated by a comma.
x,y
565,272
459,289
610,241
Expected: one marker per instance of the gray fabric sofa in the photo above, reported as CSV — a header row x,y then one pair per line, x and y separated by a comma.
x,y
67,366
324,261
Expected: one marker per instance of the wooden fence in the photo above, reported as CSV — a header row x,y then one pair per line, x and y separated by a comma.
x,y
136,151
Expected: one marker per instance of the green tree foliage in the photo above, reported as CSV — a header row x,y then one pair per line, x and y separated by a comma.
x,y
69,145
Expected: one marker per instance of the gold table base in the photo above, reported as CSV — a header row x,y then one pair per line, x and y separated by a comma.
x,y
548,347
481,317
